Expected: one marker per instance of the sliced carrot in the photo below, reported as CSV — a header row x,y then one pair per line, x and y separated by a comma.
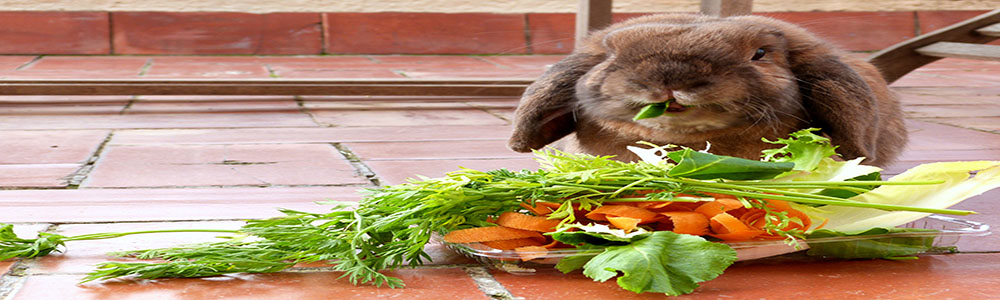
x,y
538,210
526,222
653,205
626,223
710,209
602,213
511,244
491,233
687,222
729,228
531,252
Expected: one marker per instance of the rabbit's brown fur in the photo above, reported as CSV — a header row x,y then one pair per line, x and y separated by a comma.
x,y
732,98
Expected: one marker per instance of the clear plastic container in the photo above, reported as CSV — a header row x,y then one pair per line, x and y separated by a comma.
x,y
948,232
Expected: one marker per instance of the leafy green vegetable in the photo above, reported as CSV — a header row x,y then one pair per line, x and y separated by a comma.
x,y
663,262
876,245
13,246
651,111
390,227
701,165
803,147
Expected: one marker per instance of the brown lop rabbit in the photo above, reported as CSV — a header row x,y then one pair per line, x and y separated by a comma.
x,y
730,81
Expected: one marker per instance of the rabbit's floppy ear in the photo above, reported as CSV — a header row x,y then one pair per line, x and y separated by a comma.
x,y
546,110
839,101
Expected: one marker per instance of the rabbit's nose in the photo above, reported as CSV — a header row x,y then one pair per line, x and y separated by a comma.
x,y
665,96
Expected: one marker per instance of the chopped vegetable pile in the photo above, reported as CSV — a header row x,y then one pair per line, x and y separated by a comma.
x,y
658,225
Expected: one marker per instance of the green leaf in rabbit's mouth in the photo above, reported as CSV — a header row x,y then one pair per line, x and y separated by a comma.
x,y
654,110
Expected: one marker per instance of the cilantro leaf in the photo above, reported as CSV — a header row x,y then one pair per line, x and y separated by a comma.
x,y
663,262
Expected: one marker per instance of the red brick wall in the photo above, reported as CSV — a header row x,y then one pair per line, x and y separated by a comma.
x,y
382,33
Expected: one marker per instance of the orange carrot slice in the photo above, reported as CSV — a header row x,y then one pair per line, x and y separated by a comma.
x,y
687,222
526,222
728,228
527,253
538,210
710,209
602,213
626,223
511,244
492,233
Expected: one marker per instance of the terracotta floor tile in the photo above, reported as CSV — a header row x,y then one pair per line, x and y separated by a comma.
x,y
952,92
174,120
9,63
430,60
212,70
908,100
398,171
107,65
539,62
36,175
927,79
316,61
57,103
952,110
448,150
361,118
930,136
980,123
504,73
161,105
5,266
212,165
286,72
383,105
310,135
118,205
50,146
447,283
965,276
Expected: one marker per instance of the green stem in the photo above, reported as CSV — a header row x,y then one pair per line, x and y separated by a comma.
x,y
845,183
109,235
838,202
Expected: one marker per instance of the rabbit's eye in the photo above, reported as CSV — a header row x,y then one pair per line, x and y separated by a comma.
x,y
759,54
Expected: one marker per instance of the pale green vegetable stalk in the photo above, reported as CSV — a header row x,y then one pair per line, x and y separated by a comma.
x,y
958,185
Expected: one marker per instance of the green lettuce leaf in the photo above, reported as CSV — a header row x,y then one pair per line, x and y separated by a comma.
x,y
700,165
803,147
869,245
958,185
663,262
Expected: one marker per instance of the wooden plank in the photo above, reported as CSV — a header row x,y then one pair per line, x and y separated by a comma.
x,y
591,15
404,87
961,50
899,59
992,30
725,8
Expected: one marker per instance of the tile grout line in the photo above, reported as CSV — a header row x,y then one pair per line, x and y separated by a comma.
x,y
359,166
301,103
30,63
75,179
488,284
12,281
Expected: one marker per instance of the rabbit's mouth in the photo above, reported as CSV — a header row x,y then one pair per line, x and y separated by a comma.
x,y
675,107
